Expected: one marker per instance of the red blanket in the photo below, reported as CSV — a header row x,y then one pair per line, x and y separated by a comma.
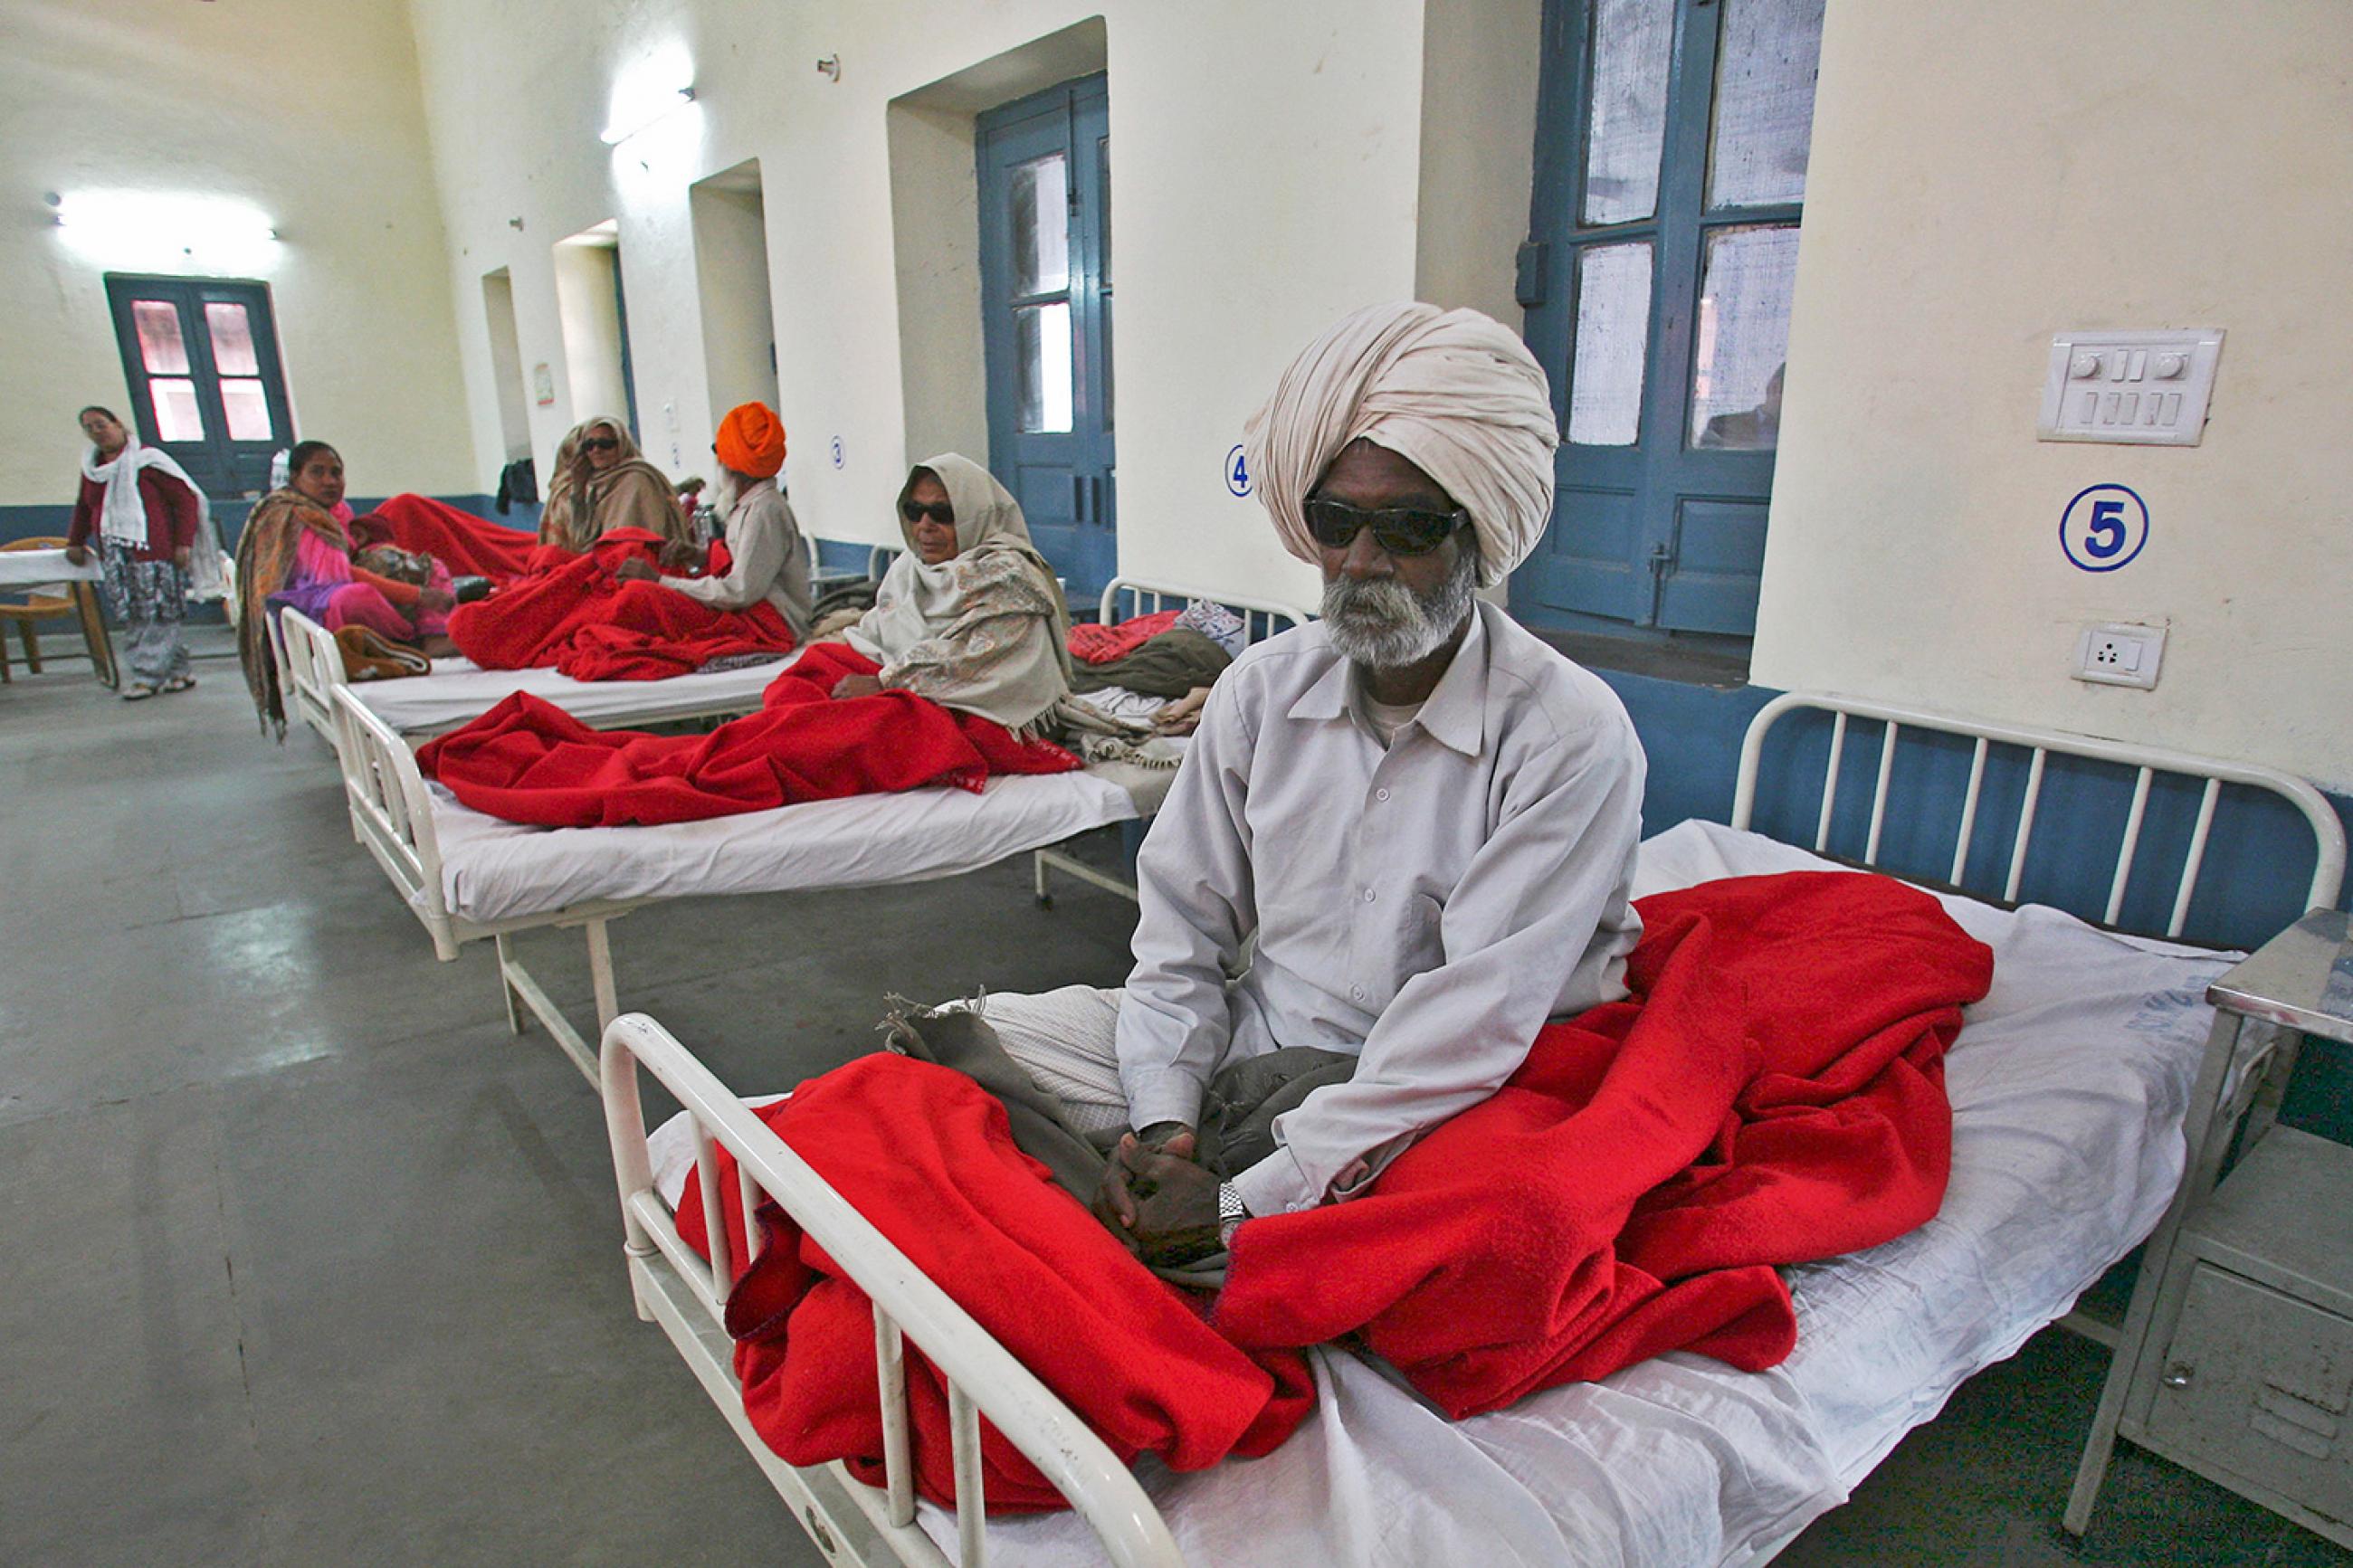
x,y
1092,644
1773,1093
570,611
467,544
528,760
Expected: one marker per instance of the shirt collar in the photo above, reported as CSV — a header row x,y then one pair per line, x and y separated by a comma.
x,y
1455,712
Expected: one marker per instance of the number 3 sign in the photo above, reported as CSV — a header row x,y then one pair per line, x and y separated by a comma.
x,y
2103,528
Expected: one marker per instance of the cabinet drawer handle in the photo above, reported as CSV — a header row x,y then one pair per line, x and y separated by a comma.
x,y
2177,1375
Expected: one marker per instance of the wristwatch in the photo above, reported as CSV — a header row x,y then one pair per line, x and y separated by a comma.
x,y
1230,1213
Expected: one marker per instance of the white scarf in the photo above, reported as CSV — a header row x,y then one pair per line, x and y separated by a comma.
x,y
123,517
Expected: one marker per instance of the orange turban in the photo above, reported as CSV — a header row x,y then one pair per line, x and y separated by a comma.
x,y
752,440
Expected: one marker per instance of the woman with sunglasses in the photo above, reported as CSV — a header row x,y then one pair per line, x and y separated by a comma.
x,y
602,482
971,615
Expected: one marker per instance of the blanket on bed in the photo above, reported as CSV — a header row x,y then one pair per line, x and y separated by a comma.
x,y
470,546
1771,1093
572,612
527,760
1092,644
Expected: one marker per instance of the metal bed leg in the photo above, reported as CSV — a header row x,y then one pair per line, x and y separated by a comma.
x,y
600,972
1038,868
506,986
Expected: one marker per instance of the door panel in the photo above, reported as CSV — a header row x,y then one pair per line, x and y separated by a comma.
x,y
200,356
1046,327
1671,165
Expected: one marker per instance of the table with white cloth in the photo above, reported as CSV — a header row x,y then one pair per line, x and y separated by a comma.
x,y
48,574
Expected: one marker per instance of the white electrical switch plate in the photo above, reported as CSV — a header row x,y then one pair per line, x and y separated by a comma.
x,y
2146,389
2120,655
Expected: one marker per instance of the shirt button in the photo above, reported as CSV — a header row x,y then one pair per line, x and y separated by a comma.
x,y
1380,795
1356,993
1368,895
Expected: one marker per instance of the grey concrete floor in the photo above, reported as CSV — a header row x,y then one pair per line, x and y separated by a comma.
x,y
311,1262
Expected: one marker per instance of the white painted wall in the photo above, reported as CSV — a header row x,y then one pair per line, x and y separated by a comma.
x,y
731,257
1985,174
308,113
1266,166
586,294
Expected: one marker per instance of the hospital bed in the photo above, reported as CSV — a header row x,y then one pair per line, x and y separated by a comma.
x,y
311,669
2068,1084
467,876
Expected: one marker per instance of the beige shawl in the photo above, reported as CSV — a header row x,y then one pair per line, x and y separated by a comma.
x,y
986,632
584,504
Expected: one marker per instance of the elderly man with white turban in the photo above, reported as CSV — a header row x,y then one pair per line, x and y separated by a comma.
x,y
1425,815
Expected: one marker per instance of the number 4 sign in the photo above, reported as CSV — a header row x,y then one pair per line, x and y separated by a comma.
x,y
2103,528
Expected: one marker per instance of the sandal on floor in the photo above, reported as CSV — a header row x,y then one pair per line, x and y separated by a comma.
x,y
137,693
177,683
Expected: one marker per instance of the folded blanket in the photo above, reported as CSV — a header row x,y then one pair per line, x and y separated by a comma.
x,y
570,612
1168,665
1092,644
1771,1093
468,545
527,760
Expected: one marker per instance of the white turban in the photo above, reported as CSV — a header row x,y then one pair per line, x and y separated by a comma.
x,y
1454,393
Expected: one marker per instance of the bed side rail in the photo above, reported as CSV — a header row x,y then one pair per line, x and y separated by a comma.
x,y
1127,597
312,670
394,812
2040,746
984,1378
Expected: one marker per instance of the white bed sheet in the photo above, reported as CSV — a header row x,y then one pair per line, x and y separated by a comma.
x,y
2068,1083
492,869
458,689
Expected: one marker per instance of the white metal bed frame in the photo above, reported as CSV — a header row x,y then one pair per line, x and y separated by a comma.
x,y
392,814
853,1522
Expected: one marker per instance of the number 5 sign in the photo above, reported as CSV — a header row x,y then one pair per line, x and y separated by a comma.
x,y
2103,528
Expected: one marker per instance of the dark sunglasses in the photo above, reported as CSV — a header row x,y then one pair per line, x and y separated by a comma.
x,y
1400,530
601,443
939,511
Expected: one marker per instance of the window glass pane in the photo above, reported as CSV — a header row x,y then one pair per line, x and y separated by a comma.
x,y
161,348
1613,331
1103,214
1041,226
1743,338
232,338
176,418
1764,101
1633,41
248,407
1041,348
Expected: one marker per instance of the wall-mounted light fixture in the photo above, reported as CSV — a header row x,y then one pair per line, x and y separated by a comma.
x,y
129,225
647,114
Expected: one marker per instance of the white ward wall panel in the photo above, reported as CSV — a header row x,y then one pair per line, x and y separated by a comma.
x,y
1265,164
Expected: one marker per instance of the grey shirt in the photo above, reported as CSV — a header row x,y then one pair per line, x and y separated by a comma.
x,y
767,560
1425,907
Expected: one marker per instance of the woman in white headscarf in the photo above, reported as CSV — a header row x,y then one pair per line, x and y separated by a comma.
x,y
971,615
149,520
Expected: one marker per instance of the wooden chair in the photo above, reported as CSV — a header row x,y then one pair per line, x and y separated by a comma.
x,y
80,603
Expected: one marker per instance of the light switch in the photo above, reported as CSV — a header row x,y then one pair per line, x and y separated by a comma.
x,y
2143,389
2120,655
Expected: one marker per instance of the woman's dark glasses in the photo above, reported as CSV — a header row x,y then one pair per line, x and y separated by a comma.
x,y
939,511
1400,530
600,444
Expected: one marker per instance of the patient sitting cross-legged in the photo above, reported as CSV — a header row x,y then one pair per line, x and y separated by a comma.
x,y
1425,815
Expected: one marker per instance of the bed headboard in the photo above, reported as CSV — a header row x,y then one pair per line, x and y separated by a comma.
x,y
310,666
1127,597
2167,838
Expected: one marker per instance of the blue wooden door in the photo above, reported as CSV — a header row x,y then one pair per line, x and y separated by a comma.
x,y
1670,179
1046,304
200,357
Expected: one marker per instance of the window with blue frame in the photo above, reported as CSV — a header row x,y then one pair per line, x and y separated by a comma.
x,y
1671,180
200,359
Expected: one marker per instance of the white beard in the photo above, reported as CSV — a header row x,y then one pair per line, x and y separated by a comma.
x,y
723,490
1383,625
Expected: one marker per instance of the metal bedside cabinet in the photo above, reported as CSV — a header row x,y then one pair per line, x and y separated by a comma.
x,y
2236,1358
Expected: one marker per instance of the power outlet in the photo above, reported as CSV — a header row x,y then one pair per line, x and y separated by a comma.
x,y
2120,655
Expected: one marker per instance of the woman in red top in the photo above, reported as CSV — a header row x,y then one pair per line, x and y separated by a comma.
x,y
295,552
144,512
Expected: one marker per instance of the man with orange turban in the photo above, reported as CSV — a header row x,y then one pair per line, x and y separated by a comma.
x,y
766,557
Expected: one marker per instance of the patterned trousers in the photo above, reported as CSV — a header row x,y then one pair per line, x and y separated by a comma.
x,y
151,599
